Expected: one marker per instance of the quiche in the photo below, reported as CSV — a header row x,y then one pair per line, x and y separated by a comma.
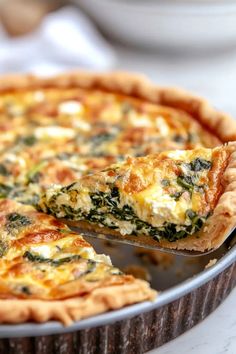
x,y
48,272
182,199
59,130
56,130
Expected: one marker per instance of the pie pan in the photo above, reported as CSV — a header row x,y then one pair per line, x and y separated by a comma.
x,y
190,293
183,283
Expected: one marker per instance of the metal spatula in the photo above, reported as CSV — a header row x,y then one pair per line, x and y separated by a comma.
x,y
137,243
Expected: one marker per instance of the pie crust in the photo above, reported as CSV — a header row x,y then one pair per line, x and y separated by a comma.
x,y
102,299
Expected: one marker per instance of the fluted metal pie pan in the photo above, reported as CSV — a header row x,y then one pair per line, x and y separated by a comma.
x,y
141,327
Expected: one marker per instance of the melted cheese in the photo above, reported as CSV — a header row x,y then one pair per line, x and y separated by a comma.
x,y
162,126
189,155
139,120
45,251
140,188
54,132
155,206
70,107
39,96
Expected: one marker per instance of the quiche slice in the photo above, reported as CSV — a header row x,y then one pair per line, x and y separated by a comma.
x,y
47,272
179,199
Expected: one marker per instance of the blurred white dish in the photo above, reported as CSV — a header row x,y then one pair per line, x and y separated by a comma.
x,y
169,24
65,40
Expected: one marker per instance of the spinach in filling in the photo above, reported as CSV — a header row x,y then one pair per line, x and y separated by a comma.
x,y
3,170
189,181
16,220
3,248
106,136
165,182
33,176
189,138
5,190
54,262
199,164
29,140
26,290
91,265
106,208
31,200
101,138
168,231
24,195
106,205
176,195
20,194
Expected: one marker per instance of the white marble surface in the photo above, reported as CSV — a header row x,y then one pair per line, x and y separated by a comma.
x,y
215,335
214,77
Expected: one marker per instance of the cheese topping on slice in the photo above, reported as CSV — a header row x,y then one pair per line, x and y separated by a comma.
x,y
54,132
70,107
168,195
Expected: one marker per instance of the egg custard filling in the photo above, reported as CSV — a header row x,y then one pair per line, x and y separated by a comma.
x,y
57,135
163,197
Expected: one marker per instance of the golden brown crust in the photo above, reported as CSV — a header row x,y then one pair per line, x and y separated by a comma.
x,y
223,220
74,309
220,124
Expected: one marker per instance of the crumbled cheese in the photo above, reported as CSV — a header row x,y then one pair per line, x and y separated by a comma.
x,y
54,189
102,258
42,250
81,124
162,126
189,155
63,199
70,107
184,168
153,205
39,96
139,120
125,227
54,132
163,206
15,158
83,202
74,163
177,155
